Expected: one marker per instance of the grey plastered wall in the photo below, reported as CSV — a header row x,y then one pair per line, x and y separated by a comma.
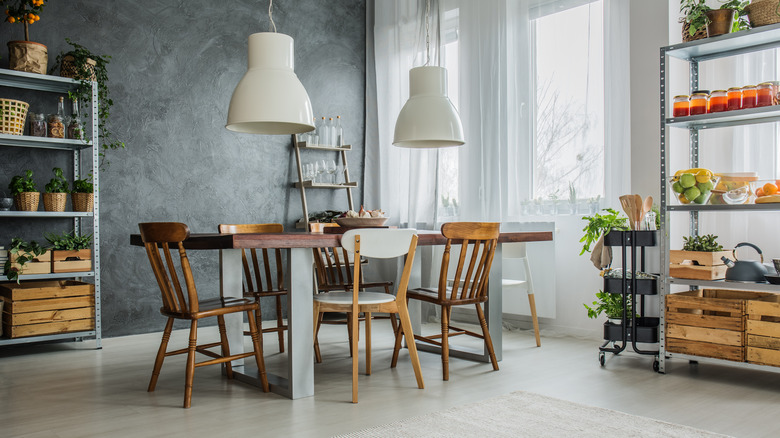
x,y
174,66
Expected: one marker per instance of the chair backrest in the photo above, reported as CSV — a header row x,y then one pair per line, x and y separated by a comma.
x,y
255,283
514,250
332,265
475,245
382,243
158,238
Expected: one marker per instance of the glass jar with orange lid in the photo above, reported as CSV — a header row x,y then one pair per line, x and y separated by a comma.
x,y
681,107
764,94
734,95
718,101
748,96
698,104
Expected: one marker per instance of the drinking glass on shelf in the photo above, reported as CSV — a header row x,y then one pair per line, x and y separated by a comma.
x,y
319,169
330,167
308,172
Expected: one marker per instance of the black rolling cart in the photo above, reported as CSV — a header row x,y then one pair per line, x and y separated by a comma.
x,y
636,327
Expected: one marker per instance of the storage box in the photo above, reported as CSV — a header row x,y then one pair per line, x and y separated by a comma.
x,y
708,322
697,265
763,331
40,264
47,307
71,261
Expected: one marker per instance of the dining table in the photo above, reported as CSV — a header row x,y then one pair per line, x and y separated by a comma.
x,y
300,284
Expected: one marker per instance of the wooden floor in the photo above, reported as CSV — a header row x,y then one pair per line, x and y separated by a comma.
x,y
73,390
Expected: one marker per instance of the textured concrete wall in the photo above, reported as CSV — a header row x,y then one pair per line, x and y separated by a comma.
x,y
175,64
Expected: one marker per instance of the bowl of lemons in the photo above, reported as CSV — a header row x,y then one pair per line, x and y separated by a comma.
x,y
693,186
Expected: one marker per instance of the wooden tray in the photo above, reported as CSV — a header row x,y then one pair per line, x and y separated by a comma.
x,y
361,222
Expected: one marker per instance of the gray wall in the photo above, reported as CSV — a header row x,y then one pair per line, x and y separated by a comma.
x,y
174,66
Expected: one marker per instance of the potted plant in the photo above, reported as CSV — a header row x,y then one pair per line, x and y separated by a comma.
x,y
26,195
26,55
611,305
699,259
82,196
26,258
70,252
730,17
599,225
56,192
81,64
694,19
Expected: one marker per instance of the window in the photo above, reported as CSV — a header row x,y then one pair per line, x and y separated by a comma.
x,y
448,176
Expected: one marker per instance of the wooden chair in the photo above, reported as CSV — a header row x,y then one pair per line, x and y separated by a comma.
x,y
254,286
377,243
475,243
184,304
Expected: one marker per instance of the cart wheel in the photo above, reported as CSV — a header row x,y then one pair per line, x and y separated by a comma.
x,y
602,360
656,365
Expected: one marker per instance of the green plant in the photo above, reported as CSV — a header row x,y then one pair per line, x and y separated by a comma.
x,y
325,216
706,243
599,224
694,13
20,184
741,21
24,252
609,304
69,241
23,11
83,185
58,184
83,92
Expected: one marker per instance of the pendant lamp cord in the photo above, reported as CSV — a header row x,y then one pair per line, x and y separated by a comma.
x,y
427,32
272,27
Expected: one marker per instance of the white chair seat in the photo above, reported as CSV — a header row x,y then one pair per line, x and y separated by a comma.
x,y
505,282
342,297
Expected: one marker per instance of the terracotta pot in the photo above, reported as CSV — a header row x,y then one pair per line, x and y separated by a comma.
x,y
27,201
54,201
28,56
721,21
82,201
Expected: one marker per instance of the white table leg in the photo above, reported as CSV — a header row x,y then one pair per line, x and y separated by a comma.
x,y
300,333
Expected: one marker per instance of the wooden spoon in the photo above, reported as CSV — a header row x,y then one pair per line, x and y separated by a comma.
x,y
647,206
638,215
627,201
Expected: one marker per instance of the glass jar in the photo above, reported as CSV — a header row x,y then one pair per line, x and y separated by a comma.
x,y
775,91
734,98
698,104
718,101
748,96
764,94
37,125
56,127
681,107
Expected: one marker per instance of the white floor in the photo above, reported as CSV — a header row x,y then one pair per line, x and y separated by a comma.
x,y
73,390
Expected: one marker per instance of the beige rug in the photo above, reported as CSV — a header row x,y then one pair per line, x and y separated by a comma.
x,y
523,414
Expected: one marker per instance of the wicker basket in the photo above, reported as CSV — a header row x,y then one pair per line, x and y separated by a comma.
x,y
12,115
763,12
54,201
687,37
68,68
82,201
27,201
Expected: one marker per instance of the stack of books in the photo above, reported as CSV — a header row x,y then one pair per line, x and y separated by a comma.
x,y
3,256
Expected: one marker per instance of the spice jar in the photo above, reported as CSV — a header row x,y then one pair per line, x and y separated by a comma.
x,y
698,104
718,101
734,95
764,94
56,127
681,106
37,125
748,96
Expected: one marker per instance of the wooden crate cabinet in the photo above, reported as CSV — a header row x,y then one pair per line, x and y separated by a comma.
x,y
763,331
47,307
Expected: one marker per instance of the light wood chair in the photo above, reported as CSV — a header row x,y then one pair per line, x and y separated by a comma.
x,y
262,265
184,304
517,252
374,243
475,243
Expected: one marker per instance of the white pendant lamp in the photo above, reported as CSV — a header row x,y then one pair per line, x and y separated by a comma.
x,y
270,98
428,119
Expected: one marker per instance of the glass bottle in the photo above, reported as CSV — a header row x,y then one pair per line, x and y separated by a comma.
x,y
331,132
718,101
322,132
75,130
698,104
681,106
56,122
764,94
734,98
339,133
748,96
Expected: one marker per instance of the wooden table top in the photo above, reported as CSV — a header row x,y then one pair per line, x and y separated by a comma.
x,y
319,240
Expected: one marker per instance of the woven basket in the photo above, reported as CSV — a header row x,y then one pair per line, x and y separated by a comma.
x,y
27,201
12,115
687,37
763,12
82,201
68,68
54,201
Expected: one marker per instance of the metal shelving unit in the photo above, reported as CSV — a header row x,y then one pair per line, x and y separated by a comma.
x,y
56,84
762,38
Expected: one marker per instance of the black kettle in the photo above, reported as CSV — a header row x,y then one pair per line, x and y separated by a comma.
x,y
746,271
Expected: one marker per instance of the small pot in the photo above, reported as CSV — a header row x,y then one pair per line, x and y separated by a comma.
x,y
82,201
27,201
6,204
721,21
54,201
28,56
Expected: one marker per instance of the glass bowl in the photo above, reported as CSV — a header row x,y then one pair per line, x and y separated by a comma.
x,y
692,189
734,188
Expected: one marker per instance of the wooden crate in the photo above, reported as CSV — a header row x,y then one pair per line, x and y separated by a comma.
x,y
40,265
47,307
697,265
71,261
763,331
708,322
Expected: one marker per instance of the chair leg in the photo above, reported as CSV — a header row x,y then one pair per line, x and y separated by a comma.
x,y
398,334
258,346
190,369
368,343
486,334
445,348
354,350
279,323
406,328
161,354
225,346
259,320
532,303
349,332
393,318
317,325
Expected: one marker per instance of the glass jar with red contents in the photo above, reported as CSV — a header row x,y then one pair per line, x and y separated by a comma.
x,y
681,107
734,95
748,96
718,101
698,104
764,92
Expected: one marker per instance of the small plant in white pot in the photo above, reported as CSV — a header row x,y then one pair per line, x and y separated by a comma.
x,y
611,305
